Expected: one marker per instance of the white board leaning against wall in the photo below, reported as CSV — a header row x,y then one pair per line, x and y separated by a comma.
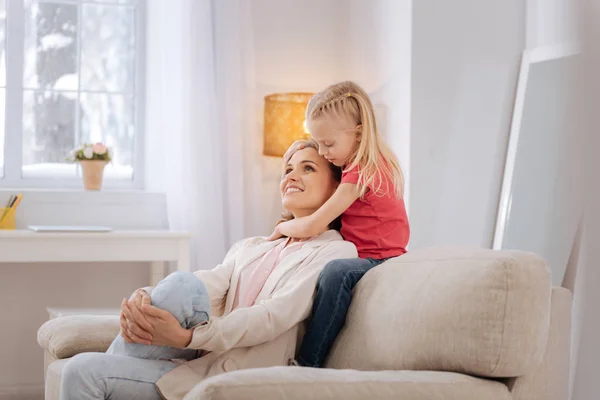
x,y
541,202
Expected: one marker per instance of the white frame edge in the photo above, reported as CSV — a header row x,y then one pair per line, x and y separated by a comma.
x,y
535,55
511,153
546,53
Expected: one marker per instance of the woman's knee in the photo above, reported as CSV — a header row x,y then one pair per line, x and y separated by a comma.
x,y
178,286
178,280
183,295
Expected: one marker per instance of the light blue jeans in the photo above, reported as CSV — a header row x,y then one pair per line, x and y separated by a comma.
x,y
130,370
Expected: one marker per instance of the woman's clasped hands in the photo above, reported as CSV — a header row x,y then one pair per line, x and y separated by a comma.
x,y
143,323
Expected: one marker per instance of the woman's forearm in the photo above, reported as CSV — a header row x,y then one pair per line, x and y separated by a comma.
x,y
302,228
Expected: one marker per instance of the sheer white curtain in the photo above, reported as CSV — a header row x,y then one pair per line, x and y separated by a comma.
x,y
192,146
238,114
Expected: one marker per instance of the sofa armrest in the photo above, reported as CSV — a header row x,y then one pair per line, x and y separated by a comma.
x,y
66,336
298,383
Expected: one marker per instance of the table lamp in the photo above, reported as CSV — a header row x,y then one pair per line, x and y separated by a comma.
x,y
284,121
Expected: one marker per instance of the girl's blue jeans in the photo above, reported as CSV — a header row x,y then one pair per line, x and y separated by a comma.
x,y
332,300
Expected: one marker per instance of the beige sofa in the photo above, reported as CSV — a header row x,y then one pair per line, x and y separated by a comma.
x,y
436,323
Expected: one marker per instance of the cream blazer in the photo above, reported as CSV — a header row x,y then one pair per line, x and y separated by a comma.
x,y
265,334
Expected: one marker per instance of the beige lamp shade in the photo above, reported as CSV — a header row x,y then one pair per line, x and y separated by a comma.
x,y
284,121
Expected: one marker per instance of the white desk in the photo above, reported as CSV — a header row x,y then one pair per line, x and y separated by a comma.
x,y
155,247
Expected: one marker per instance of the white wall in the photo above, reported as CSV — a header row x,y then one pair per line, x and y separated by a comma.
x,y
297,47
307,45
378,56
551,21
465,63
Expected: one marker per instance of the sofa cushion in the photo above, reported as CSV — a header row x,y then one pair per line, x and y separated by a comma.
x,y
296,383
473,311
66,336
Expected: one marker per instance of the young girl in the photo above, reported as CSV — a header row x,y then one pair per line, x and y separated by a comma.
x,y
369,199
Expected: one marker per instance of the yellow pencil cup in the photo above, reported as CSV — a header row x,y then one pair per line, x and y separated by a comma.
x,y
10,219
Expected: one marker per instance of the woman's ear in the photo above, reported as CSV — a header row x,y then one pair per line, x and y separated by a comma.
x,y
359,132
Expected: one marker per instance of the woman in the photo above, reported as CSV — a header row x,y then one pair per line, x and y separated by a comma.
x,y
257,299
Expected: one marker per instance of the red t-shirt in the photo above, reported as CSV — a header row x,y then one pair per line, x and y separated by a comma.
x,y
378,225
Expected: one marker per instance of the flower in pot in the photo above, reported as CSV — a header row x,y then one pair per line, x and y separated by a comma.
x,y
92,158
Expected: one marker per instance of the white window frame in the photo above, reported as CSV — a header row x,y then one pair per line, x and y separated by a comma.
x,y
13,129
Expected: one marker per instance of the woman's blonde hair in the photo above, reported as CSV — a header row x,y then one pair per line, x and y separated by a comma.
x,y
336,172
373,157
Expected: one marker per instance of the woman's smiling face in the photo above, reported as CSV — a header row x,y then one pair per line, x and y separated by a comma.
x,y
307,183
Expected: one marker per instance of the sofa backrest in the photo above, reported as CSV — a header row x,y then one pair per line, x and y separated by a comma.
x,y
474,311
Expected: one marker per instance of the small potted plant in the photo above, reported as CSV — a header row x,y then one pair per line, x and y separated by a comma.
x,y
92,158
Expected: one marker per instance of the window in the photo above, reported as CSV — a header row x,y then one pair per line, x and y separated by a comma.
x,y
71,71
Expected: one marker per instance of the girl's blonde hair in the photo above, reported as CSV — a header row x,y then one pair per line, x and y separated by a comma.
x,y
336,173
373,157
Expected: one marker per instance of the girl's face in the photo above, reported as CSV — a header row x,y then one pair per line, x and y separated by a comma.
x,y
338,138
307,183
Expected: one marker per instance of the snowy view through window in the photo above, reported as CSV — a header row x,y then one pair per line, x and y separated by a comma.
x,y
78,82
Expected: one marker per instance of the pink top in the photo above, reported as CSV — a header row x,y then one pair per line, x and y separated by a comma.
x,y
254,275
